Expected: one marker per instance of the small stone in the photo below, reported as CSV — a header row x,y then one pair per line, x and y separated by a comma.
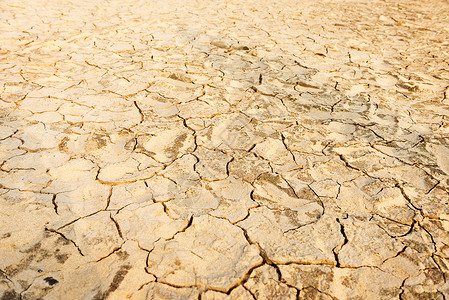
x,y
51,281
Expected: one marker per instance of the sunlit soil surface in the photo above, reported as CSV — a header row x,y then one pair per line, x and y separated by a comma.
x,y
224,149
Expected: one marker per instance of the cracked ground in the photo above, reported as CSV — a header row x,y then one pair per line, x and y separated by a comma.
x,y
224,149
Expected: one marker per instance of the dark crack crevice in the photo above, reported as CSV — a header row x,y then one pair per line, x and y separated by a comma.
x,y
189,223
67,239
337,248
110,253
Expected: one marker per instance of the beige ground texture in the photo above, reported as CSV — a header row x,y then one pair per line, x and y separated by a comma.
x,y
233,149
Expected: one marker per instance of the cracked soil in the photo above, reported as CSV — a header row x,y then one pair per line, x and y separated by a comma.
x,y
224,149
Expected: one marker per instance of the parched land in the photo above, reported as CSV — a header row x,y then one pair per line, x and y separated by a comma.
x,y
224,149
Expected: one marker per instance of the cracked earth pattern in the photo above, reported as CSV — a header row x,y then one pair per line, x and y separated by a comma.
x,y
224,149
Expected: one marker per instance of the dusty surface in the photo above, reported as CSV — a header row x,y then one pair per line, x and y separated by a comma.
x,y
224,149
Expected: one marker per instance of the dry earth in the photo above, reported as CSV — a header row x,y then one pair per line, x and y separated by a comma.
x,y
234,149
